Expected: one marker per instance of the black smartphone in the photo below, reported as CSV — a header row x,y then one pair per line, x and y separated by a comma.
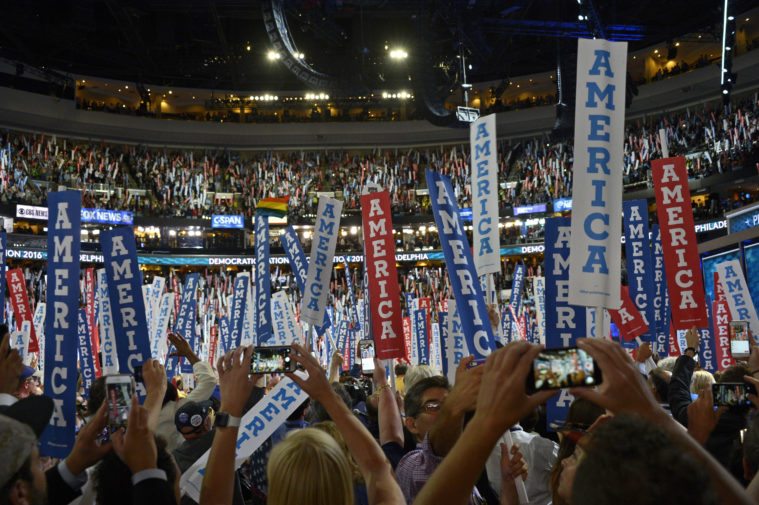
x,y
732,394
275,359
568,367
138,373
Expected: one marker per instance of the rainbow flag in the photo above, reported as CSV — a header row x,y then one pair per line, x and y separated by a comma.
x,y
272,206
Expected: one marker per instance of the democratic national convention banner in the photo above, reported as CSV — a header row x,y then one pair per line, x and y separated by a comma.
x,y
20,303
341,339
248,336
436,349
737,295
661,298
420,334
263,281
565,323
628,319
3,248
326,229
515,303
720,326
408,344
470,301
539,291
107,333
19,340
87,358
256,426
484,160
384,292
595,258
125,293
286,330
681,260
237,310
640,264
297,260
63,246
224,337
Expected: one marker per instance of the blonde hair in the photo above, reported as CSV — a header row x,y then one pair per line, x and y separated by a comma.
x,y
330,428
701,379
309,466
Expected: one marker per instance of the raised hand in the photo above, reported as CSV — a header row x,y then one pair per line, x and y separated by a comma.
x,y
235,382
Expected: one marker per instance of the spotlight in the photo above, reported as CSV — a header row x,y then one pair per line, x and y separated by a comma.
x,y
272,55
398,54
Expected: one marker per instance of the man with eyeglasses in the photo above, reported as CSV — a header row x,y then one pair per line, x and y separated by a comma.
x,y
435,416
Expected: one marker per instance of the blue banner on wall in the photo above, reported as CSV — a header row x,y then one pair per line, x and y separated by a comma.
x,y
86,365
63,245
263,281
639,262
420,333
299,266
470,301
127,304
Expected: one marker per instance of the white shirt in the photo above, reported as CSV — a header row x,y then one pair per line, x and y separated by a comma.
x,y
540,455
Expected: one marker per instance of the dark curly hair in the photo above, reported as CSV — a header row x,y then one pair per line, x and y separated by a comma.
x,y
631,461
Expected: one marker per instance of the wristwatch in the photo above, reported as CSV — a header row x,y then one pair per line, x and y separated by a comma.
x,y
224,420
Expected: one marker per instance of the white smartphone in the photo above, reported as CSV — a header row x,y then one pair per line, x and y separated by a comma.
x,y
119,390
366,350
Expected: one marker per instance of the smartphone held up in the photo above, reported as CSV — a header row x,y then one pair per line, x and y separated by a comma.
x,y
366,353
568,367
274,359
740,339
119,391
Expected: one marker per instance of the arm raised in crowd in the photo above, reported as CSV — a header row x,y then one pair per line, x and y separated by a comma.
x,y
154,378
236,386
501,402
390,422
679,386
205,380
335,366
380,482
462,399
624,391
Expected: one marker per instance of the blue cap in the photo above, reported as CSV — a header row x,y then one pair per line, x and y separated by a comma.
x,y
26,373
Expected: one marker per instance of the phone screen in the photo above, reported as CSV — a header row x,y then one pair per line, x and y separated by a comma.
x,y
739,339
732,394
564,368
366,348
119,390
271,360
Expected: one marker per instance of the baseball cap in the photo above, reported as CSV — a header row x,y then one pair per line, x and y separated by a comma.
x,y
33,411
17,441
26,373
192,415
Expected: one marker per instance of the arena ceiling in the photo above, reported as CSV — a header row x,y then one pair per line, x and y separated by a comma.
x,y
223,44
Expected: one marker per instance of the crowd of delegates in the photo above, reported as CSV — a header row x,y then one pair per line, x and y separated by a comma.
x,y
642,438
194,183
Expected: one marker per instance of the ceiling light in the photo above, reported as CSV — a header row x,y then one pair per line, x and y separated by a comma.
x,y
247,48
272,55
398,54
170,92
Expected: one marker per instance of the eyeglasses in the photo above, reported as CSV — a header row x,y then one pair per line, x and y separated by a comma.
x,y
432,406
